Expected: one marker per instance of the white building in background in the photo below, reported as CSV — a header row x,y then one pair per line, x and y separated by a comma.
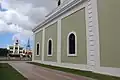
x,y
15,49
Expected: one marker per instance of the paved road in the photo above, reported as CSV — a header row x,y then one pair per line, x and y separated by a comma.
x,y
33,72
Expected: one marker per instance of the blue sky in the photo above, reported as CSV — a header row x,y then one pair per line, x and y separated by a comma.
x,y
19,17
5,39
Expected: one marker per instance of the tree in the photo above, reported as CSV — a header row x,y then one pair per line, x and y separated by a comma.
x,y
4,52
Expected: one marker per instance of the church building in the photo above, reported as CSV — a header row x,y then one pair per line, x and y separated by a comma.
x,y
80,34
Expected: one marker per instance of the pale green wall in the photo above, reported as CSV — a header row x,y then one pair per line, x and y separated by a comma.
x,y
51,32
74,22
38,38
109,26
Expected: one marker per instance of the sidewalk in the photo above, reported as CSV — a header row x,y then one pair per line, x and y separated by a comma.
x,y
33,72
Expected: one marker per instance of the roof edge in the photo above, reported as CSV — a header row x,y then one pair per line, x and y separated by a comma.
x,y
58,12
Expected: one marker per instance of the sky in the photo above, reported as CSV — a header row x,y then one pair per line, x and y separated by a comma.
x,y
19,17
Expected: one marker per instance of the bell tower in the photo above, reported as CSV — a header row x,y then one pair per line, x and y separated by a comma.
x,y
16,47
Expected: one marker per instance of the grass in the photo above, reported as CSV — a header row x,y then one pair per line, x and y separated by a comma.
x,y
79,72
7,72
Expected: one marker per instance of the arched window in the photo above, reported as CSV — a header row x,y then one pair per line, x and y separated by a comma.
x,y
72,44
50,47
38,48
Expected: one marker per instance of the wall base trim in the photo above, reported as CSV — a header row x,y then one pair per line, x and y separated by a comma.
x,y
102,70
66,65
108,71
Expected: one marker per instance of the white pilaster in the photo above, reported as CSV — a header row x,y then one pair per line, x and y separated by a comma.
x,y
43,43
96,31
87,35
90,36
33,51
59,41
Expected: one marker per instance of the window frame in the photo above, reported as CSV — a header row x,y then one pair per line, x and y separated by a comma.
x,y
68,54
51,47
36,49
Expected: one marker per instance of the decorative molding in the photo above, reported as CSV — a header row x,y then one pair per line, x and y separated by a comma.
x,y
91,36
58,13
51,23
96,31
66,2
87,35
38,31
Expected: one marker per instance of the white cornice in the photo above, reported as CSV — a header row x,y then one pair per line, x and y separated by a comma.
x,y
58,12
58,8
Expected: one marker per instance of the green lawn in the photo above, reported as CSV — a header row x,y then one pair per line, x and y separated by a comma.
x,y
79,72
9,73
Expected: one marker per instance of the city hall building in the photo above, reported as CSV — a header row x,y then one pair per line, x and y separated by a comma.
x,y
81,34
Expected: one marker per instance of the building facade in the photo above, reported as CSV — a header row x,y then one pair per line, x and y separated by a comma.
x,y
81,34
15,49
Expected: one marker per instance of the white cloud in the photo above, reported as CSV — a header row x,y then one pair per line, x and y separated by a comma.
x,y
23,36
9,28
22,16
